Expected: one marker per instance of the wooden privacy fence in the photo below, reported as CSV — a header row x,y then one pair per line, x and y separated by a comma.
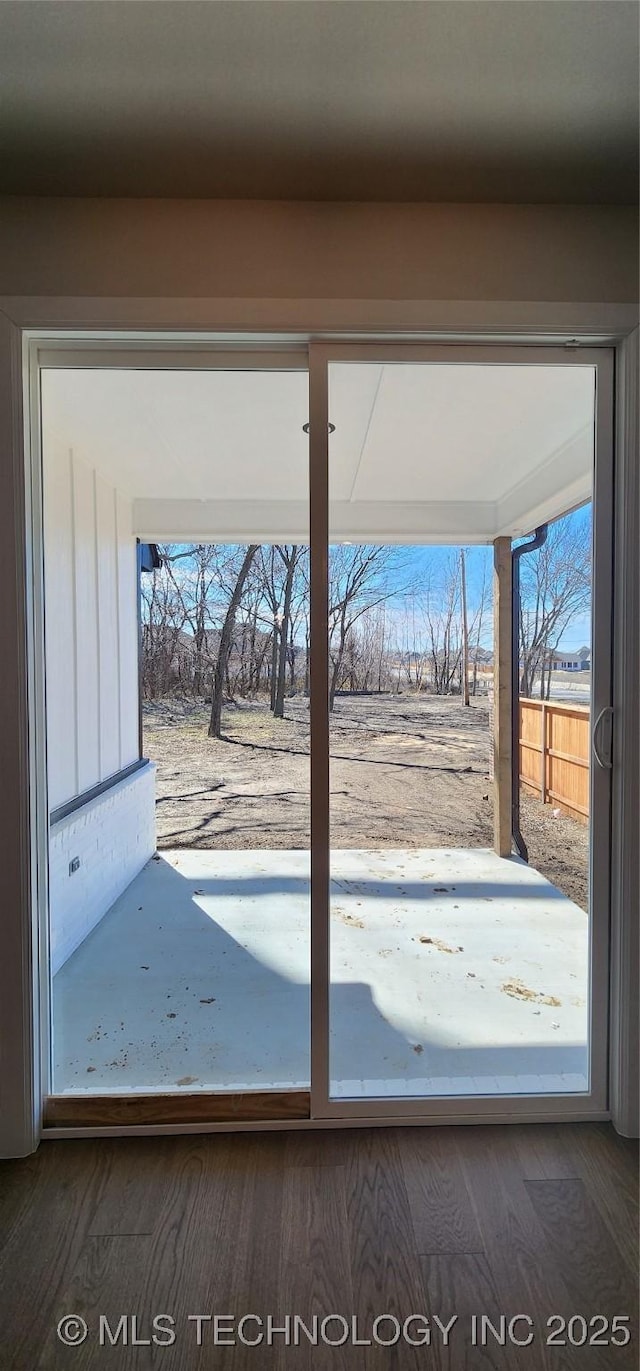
x,y
554,754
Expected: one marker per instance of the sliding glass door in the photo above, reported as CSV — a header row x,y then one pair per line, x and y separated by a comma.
x,y
327,638
460,729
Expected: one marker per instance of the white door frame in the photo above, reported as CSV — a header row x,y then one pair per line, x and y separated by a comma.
x,y
594,1102
245,323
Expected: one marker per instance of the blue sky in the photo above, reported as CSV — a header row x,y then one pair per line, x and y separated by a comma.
x,y
416,566
418,563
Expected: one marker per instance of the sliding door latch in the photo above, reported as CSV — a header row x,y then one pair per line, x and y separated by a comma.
x,y
602,738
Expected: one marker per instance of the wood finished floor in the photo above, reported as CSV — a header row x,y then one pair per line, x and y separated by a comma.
x,y
536,1220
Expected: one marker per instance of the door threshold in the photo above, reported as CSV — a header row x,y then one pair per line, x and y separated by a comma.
x,y
197,1107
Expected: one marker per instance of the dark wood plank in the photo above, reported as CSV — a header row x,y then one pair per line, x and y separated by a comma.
x,y
314,1268
385,1268
271,1224
107,1281
543,1153
21,1181
599,1144
320,1146
238,1248
608,1165
462,1286
103,1111
593,1270
185,1244
442,1214
45,1245
135,1189
528,1278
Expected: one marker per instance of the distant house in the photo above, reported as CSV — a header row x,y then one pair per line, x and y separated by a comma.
x,y
481,656
571,661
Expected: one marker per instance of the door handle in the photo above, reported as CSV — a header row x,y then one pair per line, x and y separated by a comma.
x,y
602,738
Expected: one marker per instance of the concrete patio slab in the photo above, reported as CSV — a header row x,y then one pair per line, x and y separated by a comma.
x,y
454,972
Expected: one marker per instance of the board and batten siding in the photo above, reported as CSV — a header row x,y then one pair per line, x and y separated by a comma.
x,y
91,626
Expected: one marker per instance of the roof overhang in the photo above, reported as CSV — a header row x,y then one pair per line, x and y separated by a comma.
x,y
421,453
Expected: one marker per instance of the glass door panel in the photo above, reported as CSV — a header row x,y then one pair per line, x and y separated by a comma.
x,y
458,970
176,556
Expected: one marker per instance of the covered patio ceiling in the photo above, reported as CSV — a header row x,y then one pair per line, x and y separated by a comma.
x,y
421,452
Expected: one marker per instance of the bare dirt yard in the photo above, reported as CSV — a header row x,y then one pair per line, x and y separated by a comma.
x,y
406,771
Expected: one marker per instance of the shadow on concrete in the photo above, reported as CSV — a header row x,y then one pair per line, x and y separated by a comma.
x,y
161,996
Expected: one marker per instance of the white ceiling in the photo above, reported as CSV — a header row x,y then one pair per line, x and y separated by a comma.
x,y
420,453
435,100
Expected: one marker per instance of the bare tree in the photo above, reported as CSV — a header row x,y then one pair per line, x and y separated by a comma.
x,y
442,619
477,624
226,639
382,667
412,661
271,590
358,580
191,638
555,585
368,668
465,629
302,615
162,615
196,571
299,622
289,558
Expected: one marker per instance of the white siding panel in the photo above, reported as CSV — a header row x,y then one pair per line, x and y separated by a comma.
x,y
86,596
128,624
60,626
108,645
91,623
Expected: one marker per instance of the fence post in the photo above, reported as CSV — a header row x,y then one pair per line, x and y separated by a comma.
x,y
543,752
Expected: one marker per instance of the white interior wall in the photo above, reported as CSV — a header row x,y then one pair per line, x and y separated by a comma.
x,y
271,250
374,267
91,623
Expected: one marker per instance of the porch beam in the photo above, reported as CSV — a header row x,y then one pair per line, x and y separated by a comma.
x,y
502,695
